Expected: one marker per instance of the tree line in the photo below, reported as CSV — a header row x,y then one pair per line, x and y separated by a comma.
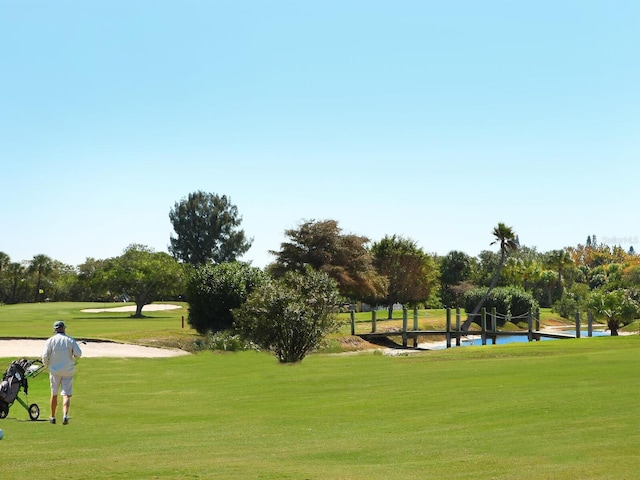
x,y
202,267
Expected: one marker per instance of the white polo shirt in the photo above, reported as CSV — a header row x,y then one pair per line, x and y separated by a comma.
x,y
59,354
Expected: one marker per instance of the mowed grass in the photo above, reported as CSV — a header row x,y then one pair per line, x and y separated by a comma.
x,y
561,410
544,410
36,320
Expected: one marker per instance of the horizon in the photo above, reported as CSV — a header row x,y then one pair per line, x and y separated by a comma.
x,y
598,243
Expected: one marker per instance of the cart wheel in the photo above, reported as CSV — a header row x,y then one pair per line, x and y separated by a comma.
x,y
4,410
34,411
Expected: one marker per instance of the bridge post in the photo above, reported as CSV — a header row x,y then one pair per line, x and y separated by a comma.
x,y
353,322
494,324
374,321
530,324
577,324
448,328
483,325
405,317
457,326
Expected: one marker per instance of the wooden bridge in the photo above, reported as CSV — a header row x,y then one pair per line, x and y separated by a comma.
x,y
488,330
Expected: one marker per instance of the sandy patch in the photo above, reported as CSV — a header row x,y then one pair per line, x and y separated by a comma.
x,y
152,307
33,348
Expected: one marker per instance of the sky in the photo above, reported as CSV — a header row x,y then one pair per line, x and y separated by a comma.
x,y
430,120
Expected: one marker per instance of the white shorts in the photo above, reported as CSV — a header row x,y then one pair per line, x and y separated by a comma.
x,y
65,382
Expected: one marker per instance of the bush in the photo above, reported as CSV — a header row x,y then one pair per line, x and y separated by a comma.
x,y
213,291
566,306
506,300
290,316
572,301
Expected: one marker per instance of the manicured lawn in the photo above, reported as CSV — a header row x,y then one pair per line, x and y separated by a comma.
x,y
35,320
561,410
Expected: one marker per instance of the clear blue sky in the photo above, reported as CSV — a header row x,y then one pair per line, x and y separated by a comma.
x,y
430,120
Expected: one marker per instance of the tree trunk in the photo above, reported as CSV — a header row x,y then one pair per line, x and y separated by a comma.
x,y
139,306
37,293
613,326
390,312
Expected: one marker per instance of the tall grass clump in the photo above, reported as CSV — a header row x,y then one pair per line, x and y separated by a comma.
x,y
226,341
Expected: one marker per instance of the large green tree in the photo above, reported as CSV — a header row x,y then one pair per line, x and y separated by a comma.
x,y
64,283
412,275
485,268
207,228
322,246
456,269
142,275
506,238
88,284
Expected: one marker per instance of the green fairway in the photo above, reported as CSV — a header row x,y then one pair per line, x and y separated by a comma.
x,y
561,410
35,320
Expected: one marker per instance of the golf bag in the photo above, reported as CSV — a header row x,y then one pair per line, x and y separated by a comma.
x,y
12,380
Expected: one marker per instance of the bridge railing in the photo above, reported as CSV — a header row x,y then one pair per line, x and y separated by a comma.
x,y
487,322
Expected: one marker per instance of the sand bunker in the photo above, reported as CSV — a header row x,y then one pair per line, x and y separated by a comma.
x,y
152,307
33,348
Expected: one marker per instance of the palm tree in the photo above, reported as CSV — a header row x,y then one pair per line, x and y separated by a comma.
x,y
506,238
617,306
559,260
42,266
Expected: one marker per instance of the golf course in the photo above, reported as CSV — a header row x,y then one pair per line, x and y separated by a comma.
x,y
560,409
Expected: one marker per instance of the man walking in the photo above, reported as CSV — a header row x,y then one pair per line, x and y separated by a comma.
x,y
59,354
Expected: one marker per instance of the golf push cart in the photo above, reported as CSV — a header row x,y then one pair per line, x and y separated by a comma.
x,y
16,378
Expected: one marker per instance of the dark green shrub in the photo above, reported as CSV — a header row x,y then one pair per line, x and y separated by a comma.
x,y
213,291
508,301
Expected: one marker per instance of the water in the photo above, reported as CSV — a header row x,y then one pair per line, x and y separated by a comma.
x,y
477,340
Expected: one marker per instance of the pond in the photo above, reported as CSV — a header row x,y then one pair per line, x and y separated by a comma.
x,y
477,340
